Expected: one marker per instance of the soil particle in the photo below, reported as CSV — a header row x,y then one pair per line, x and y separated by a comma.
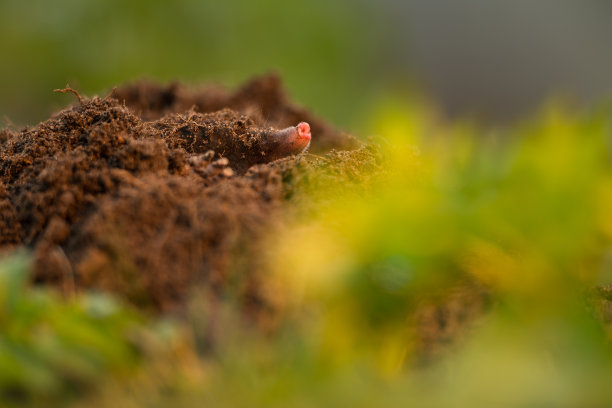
x,y
5,134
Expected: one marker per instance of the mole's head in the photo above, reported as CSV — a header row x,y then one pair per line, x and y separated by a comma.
x,y
288,141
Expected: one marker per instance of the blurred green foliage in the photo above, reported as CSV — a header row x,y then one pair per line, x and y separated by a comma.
x,y
53,350
524,212
327,52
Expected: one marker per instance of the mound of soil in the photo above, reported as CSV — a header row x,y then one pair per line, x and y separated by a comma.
x,y
154,190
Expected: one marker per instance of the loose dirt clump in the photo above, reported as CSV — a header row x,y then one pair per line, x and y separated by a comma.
x,y
152,191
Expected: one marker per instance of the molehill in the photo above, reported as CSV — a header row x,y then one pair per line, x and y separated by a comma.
x,y
154,190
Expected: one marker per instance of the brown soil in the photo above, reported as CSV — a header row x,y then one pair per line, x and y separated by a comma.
x,y
154,190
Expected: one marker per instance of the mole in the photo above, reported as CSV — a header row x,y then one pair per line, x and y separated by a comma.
x,y
285,142
232,135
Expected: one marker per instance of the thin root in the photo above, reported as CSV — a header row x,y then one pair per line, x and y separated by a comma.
x,y
69,89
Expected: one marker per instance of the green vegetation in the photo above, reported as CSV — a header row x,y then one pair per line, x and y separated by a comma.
x,y
53,350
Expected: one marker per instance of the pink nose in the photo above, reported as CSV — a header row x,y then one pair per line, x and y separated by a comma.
x,y
304,130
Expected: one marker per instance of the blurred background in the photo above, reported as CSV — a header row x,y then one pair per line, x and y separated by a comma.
x,y
494,60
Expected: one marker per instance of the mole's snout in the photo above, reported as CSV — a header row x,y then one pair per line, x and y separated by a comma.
x,y
303,137
304,131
